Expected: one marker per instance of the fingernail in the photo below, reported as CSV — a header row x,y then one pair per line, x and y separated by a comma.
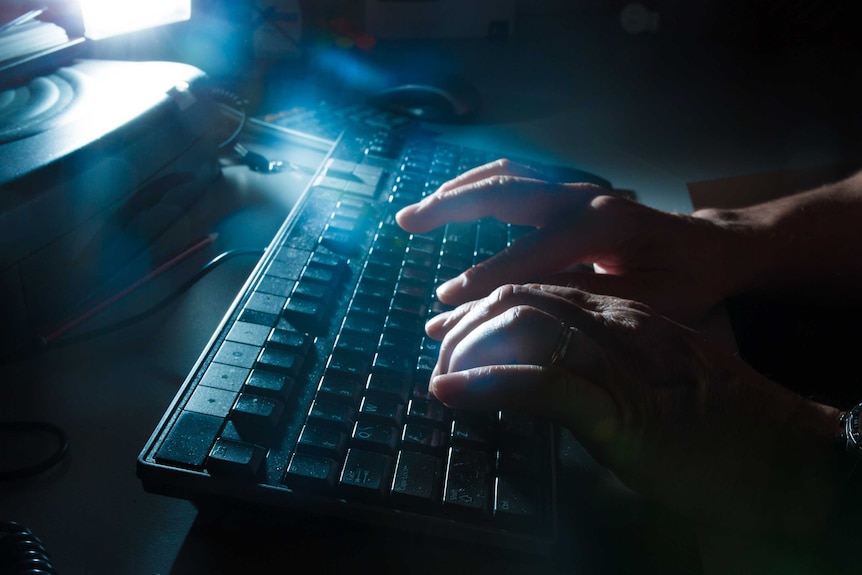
x,y
405,212
437,321
450,287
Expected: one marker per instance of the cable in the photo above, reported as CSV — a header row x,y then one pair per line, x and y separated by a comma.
x,y
210,266
40,466
22,552
236,105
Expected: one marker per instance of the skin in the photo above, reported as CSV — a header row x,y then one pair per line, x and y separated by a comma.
x,y
680,421
644,395
682,265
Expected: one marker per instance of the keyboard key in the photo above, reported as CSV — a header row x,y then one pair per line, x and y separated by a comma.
x,y
288,263
327,261
517,503
274,358
320,275
256,417
333,412
473,430
374,288
372,306
361,345
237,354
258,317
276,285
421,437
467,488
266,303
424,367
363,325
322,438
418,479
341,242
305,314
295,341
269,383
250,333
403,321
189,441
383,409
340,387
375,436
389,384
350,364
395,362
521,424
399,341
235,459
223,376
366,473
313,290
311,472
211,400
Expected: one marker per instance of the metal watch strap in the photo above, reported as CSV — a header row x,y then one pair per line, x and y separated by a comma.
x,y
849,433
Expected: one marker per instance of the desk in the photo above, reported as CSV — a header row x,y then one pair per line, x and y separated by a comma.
x,y
646,113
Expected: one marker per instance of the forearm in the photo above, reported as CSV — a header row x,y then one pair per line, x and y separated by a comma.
x,y
799,242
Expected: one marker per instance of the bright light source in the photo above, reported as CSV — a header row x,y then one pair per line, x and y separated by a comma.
x,y
103,18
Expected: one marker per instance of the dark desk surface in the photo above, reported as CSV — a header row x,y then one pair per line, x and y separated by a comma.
x,y
648,114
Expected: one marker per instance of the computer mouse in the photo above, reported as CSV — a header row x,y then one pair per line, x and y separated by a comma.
x,y
447,102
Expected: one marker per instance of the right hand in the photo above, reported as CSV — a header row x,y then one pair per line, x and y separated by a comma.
x,y
681,265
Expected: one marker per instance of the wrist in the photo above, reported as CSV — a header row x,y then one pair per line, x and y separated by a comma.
x,y
745,252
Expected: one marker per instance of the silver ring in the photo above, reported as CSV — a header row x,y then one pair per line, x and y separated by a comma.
x,y
562,347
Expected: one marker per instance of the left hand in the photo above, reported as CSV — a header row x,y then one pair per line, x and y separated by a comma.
x,y
675,418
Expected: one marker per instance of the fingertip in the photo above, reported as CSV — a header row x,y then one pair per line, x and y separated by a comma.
x,y
448,387
435,326
404,216
445,292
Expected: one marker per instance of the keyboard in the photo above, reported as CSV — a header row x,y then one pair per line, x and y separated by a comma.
x,y
312,399
328,121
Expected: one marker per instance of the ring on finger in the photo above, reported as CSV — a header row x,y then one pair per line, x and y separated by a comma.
x,y
562,346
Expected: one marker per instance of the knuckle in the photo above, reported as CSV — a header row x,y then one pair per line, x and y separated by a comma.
x,y
605,202
502,181
522,315
506,293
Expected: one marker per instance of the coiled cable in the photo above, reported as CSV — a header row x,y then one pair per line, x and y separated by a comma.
x,y
22,552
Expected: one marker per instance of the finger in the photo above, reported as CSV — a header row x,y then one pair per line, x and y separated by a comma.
x,y
529,258
527,336
516,200
521,335
526,301
605,232
552,392
617,285
501,167
438,326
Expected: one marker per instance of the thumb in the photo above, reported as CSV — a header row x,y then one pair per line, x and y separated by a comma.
x,y
552,392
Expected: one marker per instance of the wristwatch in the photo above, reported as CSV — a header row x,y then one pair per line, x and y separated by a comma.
x,y
849,433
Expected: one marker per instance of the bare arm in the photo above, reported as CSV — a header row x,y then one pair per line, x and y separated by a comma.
x,y
808,241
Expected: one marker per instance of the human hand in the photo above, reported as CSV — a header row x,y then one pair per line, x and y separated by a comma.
x,y
676,419
681,265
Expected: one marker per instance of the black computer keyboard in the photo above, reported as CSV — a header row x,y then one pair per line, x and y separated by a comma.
x,y
312,397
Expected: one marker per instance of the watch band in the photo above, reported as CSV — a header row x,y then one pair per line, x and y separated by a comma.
x,y
849,433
